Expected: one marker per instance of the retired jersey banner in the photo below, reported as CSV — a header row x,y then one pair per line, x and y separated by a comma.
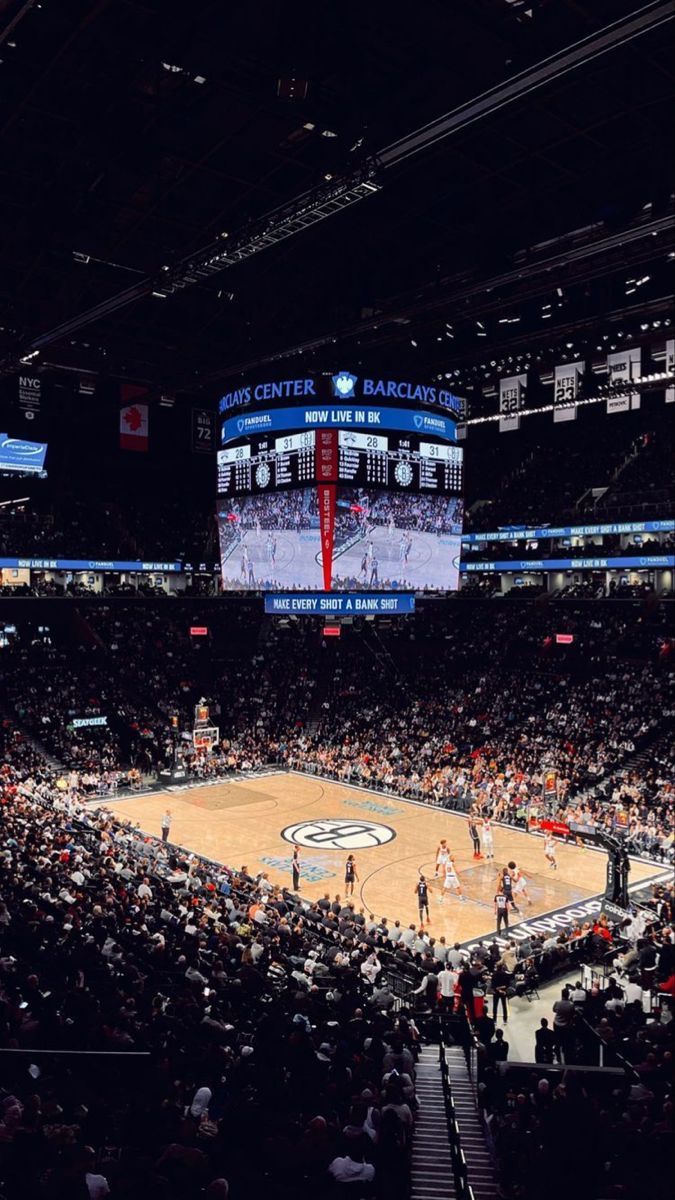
x,y
134,427
670,367
203,431
566,390
622,367
511,400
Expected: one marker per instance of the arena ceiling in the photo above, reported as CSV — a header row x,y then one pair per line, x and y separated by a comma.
x,y
134,133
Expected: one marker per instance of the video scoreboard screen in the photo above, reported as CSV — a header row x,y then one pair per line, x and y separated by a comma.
x,y
339,495
401,463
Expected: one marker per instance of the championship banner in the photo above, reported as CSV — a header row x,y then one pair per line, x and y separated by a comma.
x,y
203,431
566,390
670,368
134,427
29,395
327,528
511,400
624,366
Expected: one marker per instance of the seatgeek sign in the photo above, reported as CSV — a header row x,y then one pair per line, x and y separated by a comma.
x,y
345,386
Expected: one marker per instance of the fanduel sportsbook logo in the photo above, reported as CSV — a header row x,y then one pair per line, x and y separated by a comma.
x,y
338,834
343,384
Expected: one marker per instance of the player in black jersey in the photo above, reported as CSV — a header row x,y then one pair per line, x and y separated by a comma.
x,y
422,892
507,879
350,875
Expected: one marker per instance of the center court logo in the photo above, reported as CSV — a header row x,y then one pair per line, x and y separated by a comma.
x,y
338,834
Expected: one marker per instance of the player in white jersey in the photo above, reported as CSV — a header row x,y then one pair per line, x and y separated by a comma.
x,y
550,851
487,838
442,857
520,886
451,881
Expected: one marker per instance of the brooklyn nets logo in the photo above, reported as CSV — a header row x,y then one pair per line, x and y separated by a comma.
x,y
338,834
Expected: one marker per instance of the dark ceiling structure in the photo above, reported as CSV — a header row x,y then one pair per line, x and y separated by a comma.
x,y
192,192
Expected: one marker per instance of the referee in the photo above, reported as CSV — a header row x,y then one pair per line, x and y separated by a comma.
x,y
295,868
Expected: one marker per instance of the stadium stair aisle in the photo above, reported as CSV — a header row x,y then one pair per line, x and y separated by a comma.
x,y
480,1170
432,1173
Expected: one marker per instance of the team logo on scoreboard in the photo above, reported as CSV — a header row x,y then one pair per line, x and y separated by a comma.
x,y
343,384
338,834
262,475
403,474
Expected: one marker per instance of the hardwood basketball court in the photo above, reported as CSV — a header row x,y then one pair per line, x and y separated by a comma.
x,y
242,822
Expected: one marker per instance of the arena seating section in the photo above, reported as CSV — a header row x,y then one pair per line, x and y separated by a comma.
x,y
271,1043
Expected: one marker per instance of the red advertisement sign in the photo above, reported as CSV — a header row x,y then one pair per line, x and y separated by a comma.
x,y
326,454
327,528
557,827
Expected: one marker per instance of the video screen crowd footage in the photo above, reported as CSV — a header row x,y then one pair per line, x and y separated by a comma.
x,y
381,541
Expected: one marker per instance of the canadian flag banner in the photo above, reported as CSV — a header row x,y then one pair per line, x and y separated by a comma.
x,y
134,427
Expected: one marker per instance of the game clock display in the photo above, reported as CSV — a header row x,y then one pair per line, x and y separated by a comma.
x,y
392,461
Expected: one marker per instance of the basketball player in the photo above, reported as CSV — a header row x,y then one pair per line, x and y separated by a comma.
x,y
295,868
506,878
451,881
442,856
473,834
422,892
488,840
374,578
251,575
520,887
244,564
350,875
550,851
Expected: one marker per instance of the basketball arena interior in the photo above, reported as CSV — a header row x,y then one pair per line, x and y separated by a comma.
x,y
337,538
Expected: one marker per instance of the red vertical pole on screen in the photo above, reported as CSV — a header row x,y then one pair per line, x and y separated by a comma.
x,y
326,474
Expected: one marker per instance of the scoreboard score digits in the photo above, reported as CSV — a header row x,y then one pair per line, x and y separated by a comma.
x,y
392,461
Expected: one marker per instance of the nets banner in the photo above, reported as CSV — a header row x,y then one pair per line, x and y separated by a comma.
x,y
565,391
622,367
511,400
670,367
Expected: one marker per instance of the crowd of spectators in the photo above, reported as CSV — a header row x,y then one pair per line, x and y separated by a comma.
x,y
233,993
461,711
620,1124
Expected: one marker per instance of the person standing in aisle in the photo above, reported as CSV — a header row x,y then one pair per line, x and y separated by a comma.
x,y
295,868
166,824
